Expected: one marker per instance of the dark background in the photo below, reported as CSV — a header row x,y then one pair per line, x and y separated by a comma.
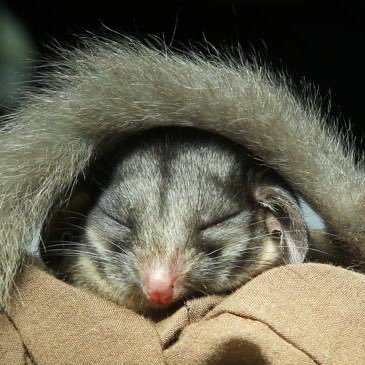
x,y
320,42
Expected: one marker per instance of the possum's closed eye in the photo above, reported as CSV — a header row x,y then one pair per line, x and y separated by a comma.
x,y
184,213
219,221
116,219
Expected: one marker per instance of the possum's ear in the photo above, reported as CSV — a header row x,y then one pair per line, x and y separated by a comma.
x,y
284,218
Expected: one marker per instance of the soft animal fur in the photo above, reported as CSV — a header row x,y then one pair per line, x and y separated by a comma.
x,y
118,88
171,214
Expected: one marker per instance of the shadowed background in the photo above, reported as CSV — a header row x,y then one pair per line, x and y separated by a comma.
x,y
319,42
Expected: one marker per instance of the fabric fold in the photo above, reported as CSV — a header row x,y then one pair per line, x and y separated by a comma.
x,y
294,314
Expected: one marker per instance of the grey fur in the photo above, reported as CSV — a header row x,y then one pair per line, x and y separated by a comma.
x,y
112,88
184,198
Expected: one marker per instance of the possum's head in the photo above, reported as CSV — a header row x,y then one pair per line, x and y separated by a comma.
x,y
184,213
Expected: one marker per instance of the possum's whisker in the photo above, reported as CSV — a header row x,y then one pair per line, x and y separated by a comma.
x,y
213,252
112,257
258,237
308,249
74,212
66,244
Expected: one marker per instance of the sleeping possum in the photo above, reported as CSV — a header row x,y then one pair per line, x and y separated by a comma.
x,y
208,223
183,212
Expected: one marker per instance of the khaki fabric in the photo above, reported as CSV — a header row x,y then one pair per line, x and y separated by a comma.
x,y
295,314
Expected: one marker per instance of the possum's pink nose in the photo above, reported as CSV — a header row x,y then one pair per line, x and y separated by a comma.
x,y
158,285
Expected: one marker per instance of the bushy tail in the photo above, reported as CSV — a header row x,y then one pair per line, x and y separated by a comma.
x,y
113,88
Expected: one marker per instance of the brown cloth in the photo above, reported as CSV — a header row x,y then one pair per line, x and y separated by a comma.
x,y
295,314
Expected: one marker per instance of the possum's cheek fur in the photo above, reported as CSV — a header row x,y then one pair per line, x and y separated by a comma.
x,y
235,266
106,282
141,277
269,255
146,277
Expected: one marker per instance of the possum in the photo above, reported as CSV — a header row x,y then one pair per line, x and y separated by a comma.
x,y
184,213
107,89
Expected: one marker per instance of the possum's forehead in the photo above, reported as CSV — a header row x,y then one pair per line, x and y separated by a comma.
x,y
176,181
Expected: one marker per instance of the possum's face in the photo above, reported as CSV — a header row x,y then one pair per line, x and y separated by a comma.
x,y
178,219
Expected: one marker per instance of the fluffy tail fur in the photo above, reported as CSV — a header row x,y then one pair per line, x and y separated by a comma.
x,y
113,88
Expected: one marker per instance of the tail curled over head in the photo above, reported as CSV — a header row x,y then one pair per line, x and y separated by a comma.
x,y
118,88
